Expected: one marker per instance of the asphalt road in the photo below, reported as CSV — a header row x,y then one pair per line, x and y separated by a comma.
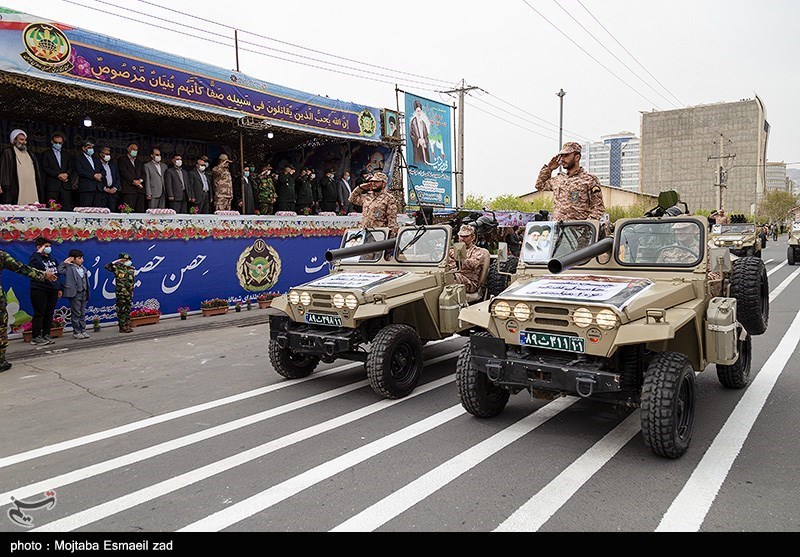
x,y
182,431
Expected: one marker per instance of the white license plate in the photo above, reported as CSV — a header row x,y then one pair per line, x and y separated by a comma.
x,y
553,342
323,319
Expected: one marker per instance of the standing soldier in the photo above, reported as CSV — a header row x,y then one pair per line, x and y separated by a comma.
x,y
304,194
124,279
9,263
720,217
265,190
286,192
379,206
576,194
223,184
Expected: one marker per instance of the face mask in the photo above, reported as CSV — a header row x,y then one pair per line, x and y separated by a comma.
x,y
90,152
57,146
128,263
47,250
246,173
133,153
106,158
157,158
202,168
178,163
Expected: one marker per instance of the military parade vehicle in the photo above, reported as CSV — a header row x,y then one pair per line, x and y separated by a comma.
x,y
793,251
626,319
382,300
740,238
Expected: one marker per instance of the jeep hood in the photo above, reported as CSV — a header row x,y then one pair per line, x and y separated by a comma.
x,y
391,283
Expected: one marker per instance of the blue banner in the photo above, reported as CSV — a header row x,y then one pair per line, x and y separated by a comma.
x,y
47,50
428,152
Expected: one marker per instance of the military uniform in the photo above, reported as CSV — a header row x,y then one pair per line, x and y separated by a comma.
x,y
576,195
265,194
469,271
124,277
304,196
223,187
378,207
9,263
286,193
689,253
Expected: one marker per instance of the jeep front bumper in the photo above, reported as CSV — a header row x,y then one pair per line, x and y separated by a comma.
x,y
313,339
562,372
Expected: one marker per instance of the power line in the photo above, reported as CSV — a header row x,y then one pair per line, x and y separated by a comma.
x,y
631,87
611,53
535,116
509,121
631,55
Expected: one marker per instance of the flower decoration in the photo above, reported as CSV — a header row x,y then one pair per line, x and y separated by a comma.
x,y
228,213
53,205
327,214
268,296
26,327
58,321
100,210
193,211
184,311
285,214
145,312
161,211
16,208
125,208
214,303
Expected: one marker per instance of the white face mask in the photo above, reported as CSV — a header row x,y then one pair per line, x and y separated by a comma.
x,y
106,158
202,168
157,158
178,163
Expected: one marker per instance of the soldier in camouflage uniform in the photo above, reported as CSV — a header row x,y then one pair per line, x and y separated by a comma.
x,y
471,267
223,184
576,194
124,278
265,191
9,263
687,250
378,206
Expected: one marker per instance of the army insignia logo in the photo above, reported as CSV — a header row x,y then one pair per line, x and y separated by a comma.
x,y
574,196
47,48
367,123
259,267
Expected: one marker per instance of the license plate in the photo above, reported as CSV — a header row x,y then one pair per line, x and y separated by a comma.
x,y
553,342
322,319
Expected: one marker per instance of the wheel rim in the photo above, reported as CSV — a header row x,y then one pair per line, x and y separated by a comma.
x,y
300,360
493,392
685,409
403,363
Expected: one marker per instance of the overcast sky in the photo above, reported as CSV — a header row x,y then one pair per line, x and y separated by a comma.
x,y
663,55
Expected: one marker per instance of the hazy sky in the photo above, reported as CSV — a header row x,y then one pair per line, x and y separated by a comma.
x,y
663,55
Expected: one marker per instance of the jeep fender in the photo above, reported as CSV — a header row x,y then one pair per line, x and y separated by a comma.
x,y
378,309
647,330
480,316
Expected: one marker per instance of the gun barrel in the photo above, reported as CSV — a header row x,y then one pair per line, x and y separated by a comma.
x,y
369,247
582,255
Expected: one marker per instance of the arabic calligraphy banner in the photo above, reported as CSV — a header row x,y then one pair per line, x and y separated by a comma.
x,y
428,153
47,50
179,261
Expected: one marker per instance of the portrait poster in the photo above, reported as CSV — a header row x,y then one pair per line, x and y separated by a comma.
x,y
428,127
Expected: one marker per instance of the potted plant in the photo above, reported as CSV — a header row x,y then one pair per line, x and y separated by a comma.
x,y
125,208
96,324
145,316
214,306
238,307
27,331
57,328
184,313
265,299
248,304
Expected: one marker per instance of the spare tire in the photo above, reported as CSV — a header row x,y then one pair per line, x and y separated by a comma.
x,y
496,282
750,287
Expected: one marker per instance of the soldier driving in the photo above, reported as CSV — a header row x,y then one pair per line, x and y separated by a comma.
x,y
469,271
687,246
577,194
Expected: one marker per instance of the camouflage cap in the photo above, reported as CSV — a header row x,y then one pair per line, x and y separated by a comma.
x,y
378,177
466,230
683,225
570,147
124,255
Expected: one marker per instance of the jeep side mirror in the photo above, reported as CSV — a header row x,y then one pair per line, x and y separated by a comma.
x,y
502,252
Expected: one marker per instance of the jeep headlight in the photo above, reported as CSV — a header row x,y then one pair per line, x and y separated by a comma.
x,y
502,310
351,301
607,319
582,317
294,297
522,312
338,301
305,298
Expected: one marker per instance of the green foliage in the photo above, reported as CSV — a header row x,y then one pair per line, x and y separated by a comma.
x,y
615,213
475,202
776,206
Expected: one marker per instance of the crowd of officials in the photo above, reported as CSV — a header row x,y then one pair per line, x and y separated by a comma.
x,y
138,181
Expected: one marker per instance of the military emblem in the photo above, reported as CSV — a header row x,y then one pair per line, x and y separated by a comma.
x,y
47,48
367,123
574,196
259,267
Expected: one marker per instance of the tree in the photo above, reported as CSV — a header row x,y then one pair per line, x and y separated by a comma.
x,y
776,206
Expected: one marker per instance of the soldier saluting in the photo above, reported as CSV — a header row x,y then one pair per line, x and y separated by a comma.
x,y
124,277
577,194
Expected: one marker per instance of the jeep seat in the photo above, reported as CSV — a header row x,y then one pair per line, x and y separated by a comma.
x,y
481,293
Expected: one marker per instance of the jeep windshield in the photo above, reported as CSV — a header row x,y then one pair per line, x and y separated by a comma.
x,y
673,243
360,236
421,245
546,240
734,229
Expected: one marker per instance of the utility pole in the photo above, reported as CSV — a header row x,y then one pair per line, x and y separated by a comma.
x,y
722,176
560,95
461,90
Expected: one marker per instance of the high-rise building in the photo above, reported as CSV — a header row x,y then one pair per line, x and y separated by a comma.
x,y
776,177
683,150
614,160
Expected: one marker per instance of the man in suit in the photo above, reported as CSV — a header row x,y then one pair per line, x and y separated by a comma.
x,y
244,184
286,190
154,172
109,194
343,191
91,177
201,186
131,174
58,168
419,135
176,184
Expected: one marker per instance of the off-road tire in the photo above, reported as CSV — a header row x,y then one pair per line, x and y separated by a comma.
x,y
496,282
737,375
394,363
289,364
479,396
790,255
667,409
750,287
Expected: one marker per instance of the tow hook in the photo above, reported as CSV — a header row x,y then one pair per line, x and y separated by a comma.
x,y
493,371
584,383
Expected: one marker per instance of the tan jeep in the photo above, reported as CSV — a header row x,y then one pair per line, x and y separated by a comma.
x,y
740,238
627,320
374,307
793,251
